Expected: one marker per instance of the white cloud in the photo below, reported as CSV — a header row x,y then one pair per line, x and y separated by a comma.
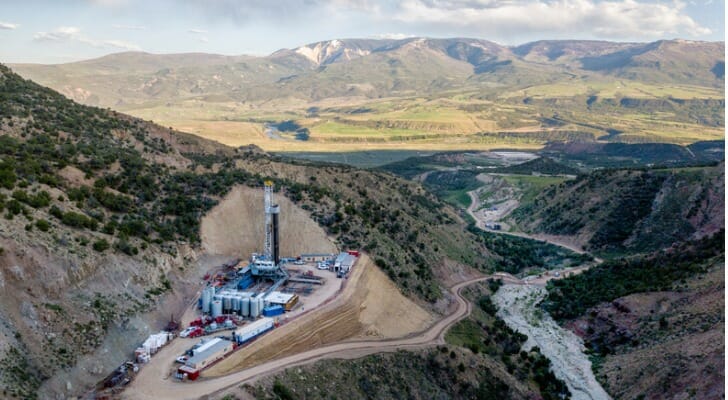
x,y
204,39
73,34
497,19
608,19
129,27
8,25
197,31
60,34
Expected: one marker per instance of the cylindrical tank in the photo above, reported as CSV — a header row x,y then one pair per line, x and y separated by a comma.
x,y
236,305
216,308
245,307
206,300
227,303
254,308
261,304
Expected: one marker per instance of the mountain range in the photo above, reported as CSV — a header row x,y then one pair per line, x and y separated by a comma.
x,y
416,93
372,68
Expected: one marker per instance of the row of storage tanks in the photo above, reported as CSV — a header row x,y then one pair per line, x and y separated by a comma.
x,y
239,303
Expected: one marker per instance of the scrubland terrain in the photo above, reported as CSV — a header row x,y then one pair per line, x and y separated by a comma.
x,y
101,236
110,221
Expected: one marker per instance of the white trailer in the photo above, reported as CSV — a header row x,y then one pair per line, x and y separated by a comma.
x,y
252,330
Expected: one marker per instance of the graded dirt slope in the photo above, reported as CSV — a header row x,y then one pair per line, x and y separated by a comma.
x,y
235,226
369,306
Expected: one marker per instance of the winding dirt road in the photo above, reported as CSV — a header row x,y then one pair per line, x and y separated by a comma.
x,y
555,240
154,381
517,307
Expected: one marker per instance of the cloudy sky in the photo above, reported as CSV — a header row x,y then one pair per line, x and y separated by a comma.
x,y
52,31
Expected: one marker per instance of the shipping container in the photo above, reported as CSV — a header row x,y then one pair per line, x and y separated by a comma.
x,y
272,311
245,282
189,372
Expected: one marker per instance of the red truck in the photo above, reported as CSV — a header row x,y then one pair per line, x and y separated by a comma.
x,y
192,332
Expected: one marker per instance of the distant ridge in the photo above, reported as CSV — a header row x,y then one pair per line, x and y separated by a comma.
x,y
386,66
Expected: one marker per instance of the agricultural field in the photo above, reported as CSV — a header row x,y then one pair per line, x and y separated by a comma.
x,y
518,119
615,88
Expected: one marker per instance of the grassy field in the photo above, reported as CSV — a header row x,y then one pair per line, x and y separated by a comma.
x,y
455,121
531,186
620,88
460,198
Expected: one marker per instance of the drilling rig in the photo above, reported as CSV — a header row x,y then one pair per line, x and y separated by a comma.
x,y
269,263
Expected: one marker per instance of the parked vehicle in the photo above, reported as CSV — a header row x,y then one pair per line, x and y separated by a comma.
x,y
192,332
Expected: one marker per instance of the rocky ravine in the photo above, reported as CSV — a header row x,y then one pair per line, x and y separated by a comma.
x,y
517,307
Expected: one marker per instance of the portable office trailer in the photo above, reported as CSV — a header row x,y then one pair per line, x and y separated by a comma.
x,y
252,330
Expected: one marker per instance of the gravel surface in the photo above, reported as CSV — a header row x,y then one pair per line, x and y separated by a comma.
x,y
517,307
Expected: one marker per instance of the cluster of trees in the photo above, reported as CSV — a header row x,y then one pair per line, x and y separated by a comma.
x,y
572,297
485,333
633,204
515,254
625,211
541,165
443,182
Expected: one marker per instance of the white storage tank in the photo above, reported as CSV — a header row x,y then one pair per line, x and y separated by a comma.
x,y
254,308
261,303
227,303
245,307
236,305
206,300
216,308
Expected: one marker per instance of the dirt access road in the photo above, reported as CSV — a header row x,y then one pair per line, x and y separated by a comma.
x,y
517,307
154,381
553,239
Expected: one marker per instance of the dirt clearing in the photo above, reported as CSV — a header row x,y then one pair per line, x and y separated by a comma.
x,y
369,306
235,226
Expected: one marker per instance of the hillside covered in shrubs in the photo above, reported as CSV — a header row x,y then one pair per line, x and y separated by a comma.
x,y
90,198
630,210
